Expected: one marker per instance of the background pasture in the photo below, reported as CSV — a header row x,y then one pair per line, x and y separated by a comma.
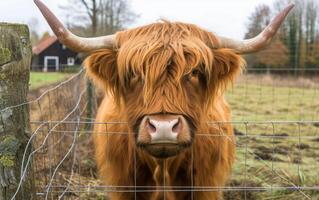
x,y
276,121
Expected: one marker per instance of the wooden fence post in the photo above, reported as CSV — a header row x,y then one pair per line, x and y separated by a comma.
x,y
91,103
15,60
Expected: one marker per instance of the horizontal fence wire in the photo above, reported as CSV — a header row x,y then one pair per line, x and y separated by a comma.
x,y
266,157
275,120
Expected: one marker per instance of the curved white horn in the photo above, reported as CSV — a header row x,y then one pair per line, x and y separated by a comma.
x,y
259,42
76,43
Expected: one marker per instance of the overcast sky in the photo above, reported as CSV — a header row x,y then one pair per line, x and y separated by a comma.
x,y
224,17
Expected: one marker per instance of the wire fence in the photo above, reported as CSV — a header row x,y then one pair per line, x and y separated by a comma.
x,y
275,118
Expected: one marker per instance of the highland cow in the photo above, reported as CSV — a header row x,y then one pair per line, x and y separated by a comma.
x,y
166,80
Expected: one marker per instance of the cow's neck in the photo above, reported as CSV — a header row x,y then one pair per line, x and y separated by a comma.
x,y
163,180
164,175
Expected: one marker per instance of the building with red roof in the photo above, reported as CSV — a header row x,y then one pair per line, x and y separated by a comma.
x,y
51,55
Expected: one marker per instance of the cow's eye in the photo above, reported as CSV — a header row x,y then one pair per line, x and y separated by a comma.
x,y
194,73
193,76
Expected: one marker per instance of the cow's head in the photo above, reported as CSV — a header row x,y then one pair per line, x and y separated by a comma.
x,y
164,76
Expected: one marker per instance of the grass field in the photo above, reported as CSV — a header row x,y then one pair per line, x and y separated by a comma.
x,y
277,142
275,150
40,79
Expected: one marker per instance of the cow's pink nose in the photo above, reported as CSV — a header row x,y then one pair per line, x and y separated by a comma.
x,y
163,129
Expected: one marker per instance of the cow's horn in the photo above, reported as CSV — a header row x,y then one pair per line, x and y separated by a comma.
x,y
76,43
259,42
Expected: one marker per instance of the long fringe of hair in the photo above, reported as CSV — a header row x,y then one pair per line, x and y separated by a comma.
x,y
161,52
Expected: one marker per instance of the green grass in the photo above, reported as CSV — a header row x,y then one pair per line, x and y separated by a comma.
x,y
272,154
40,79
252,102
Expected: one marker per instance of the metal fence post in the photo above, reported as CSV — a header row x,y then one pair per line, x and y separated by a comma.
x,y
15,60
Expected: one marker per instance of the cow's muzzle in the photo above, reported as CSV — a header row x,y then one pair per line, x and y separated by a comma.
x,y
164,135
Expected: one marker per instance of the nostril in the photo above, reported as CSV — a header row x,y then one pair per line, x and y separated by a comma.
x,y
177,126
151,127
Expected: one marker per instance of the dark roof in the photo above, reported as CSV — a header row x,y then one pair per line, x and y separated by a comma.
x,y
44,44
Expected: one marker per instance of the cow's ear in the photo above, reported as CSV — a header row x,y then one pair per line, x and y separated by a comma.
x,y
102,69
226,66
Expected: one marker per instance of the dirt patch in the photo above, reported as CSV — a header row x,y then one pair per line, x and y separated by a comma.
x,y
303,146
264,149
241,194
259,155
283,150
238,133
281,135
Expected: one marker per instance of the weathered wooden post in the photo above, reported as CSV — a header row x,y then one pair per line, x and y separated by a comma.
x,y
15,60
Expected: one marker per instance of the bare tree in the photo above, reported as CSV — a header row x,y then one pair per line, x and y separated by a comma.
x,y
92,12
300,30
274,56
101,17
299,33
258,20
311,31
115,15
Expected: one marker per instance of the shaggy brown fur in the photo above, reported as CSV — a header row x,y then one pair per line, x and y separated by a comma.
x,y
164,68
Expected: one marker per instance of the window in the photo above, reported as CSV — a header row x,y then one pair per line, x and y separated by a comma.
x,y
71,61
